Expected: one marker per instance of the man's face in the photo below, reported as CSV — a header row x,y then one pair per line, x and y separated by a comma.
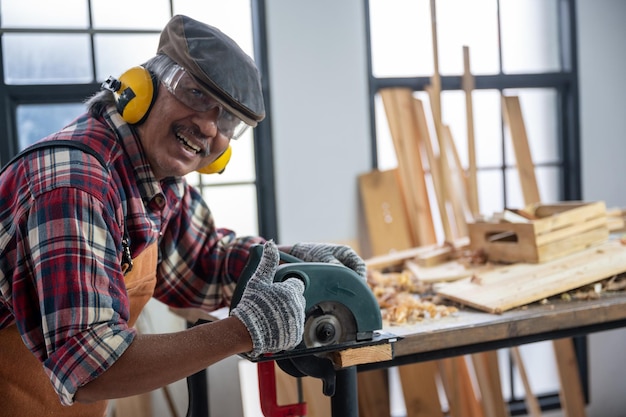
x,y
177,139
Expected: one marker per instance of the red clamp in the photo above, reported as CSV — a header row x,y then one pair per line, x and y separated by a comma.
x,y
267,393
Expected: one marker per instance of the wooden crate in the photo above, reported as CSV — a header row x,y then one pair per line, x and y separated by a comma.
x,y
554,231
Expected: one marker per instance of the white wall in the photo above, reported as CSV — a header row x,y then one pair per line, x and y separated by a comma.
x,y
320,116
602,60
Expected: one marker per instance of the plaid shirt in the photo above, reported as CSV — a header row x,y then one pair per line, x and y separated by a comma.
x,y
61,226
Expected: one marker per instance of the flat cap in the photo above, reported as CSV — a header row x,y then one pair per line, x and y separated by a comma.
x,y
216,61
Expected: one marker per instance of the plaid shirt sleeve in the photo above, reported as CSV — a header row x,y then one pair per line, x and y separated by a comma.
x,y
200,263
77,281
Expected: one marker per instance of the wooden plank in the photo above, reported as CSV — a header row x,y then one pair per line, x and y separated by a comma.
x,y
310,392
435,79
413,158
361,355
448,271
470,392
398,258
519,284
373,394
599,223
394,119
435,257
317,404
487,373
569,217
512,112
458,387
572,398
435,168
456,188
456,163
615,224
532,405
434,91
421,396
395,258
398,103
385,213
467,83
580,241
546,210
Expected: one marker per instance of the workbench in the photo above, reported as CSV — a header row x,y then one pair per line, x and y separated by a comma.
x,y
471,331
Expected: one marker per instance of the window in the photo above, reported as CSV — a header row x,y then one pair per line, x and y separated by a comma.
x,y
51,65
522,48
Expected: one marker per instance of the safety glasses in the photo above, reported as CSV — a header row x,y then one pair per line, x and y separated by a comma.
x,y
187,90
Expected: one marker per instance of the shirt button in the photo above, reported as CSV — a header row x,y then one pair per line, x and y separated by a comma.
x,y
159,200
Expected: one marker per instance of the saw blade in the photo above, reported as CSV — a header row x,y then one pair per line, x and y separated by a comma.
x,y
329,323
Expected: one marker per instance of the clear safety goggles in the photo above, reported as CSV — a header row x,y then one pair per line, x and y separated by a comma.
x,y
187,90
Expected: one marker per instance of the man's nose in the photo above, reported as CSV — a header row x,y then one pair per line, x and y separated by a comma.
x,y
207,122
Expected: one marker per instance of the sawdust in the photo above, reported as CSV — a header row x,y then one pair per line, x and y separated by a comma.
x,y
403,299
614,284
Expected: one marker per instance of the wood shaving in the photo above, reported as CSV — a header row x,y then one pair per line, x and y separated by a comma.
x,y
616,283
403,299
476,280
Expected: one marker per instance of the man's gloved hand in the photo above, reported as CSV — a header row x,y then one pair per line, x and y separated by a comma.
x,y
273,312
330,253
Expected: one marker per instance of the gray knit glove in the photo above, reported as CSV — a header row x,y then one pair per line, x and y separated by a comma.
x,y
330,253
273,312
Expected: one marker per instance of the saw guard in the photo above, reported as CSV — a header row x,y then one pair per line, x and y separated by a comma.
x,y
339,285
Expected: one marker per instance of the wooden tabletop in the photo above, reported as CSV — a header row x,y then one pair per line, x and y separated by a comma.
x,y
471,331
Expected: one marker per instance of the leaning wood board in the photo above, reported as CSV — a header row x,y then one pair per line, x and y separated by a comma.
x,y
510,286
385,213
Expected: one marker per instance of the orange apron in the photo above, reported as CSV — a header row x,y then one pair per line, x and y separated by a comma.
x,y
25,389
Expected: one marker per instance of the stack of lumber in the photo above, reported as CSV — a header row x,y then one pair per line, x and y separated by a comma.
x,y
424,225
406,211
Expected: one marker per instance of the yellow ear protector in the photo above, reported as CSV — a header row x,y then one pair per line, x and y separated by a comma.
x,y
135,91
219,165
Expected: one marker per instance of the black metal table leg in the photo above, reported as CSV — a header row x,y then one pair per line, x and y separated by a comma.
x,y
198,391
345,401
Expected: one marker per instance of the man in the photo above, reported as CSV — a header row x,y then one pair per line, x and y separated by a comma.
x,y
88,235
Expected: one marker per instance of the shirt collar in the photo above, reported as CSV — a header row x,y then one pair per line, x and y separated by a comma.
x,y
148,185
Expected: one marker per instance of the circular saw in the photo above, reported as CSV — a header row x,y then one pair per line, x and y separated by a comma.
x,y
341,312
340,307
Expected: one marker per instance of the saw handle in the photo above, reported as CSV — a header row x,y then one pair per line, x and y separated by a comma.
x,y
254,258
